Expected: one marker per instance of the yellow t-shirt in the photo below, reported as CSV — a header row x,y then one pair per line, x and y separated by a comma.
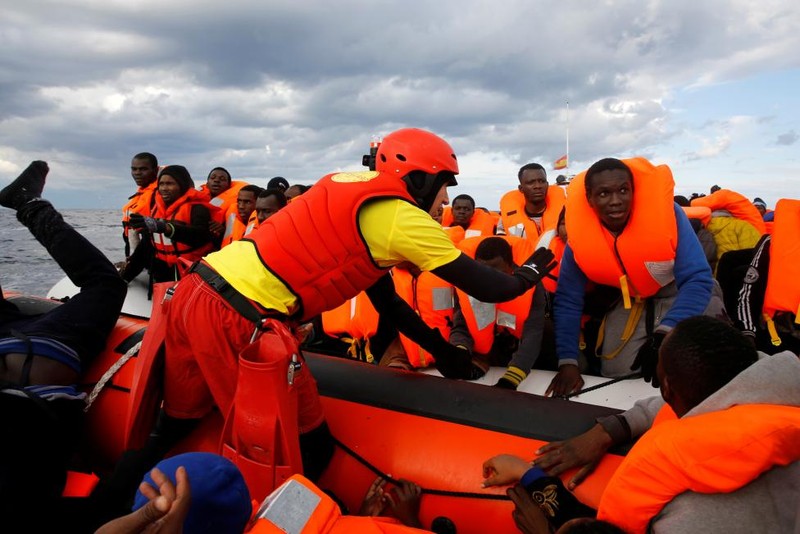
x,y
395,231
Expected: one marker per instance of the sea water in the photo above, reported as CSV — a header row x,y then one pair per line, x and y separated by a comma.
x,y
25,265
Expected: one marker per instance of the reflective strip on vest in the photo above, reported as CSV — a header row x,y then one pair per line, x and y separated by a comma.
x,y
442,298
517,230
508,320
484,312
290,508
472,233
230,223
216,201
163,240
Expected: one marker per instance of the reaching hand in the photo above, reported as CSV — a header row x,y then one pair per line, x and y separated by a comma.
x,y
647,358
374,502
536,267
528,517
503,469
566,381
404,501
163,514
456,362
154,226
584,451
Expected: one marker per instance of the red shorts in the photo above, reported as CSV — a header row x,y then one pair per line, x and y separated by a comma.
x,y
204,338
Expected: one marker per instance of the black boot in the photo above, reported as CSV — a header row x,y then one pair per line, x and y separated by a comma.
x,y
28,186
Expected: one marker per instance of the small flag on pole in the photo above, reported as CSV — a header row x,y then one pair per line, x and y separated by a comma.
x,y
560,163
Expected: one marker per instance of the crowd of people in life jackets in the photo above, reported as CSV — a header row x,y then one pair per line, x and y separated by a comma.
x,y
609,274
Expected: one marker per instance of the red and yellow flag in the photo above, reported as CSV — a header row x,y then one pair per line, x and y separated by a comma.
x,y
560,163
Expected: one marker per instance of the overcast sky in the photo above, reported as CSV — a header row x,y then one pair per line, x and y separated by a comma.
x,y
298,88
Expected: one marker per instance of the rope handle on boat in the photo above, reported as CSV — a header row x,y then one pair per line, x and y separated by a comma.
x,y
568,396
110,373
425,491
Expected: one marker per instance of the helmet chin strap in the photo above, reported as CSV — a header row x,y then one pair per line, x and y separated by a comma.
x,y
424,188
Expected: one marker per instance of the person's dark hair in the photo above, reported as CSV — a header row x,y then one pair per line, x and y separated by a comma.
x,y
464,197
530,167
223,169
605,164
149,157
592,526
701,355
494,247
278,182
181,175
682,201
274,192
252,189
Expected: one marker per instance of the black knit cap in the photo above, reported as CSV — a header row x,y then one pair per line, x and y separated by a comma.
x,y
180,174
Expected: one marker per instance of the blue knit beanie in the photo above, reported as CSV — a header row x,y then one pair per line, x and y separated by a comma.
x,y
220,499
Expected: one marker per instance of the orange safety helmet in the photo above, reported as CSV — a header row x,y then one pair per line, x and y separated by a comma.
x,y
423,160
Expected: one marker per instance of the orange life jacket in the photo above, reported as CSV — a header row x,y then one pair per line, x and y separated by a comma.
x,y
252,224
140,202
355,318
552,241
483,318
783,281
701,213
300,506
481,223
234,228
315,246
432,299
225,200
734,203
455,233
512,212
715,452
168,250
640,259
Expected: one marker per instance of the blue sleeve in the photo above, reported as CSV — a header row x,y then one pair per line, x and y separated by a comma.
x,y
692,275
568,308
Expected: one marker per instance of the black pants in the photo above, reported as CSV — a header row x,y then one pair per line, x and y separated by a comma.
x,y
84,322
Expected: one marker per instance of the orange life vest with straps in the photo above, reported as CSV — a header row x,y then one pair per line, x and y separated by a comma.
x,y
455,233
640,259
432,299
168,250
354,322
234,228
316,247
140,202
481,223
715,452
301,507
512,213
252,224
783,281
484,318
225,200
734,203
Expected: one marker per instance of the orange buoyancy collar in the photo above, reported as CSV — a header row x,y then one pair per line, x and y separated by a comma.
x,y
783,288
482,223
512,212
432,299
483,317
640,259
168,250
715,452
734,203
315,247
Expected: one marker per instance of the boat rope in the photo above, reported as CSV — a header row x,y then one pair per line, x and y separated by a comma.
x,y
111,372
425,491
568,396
